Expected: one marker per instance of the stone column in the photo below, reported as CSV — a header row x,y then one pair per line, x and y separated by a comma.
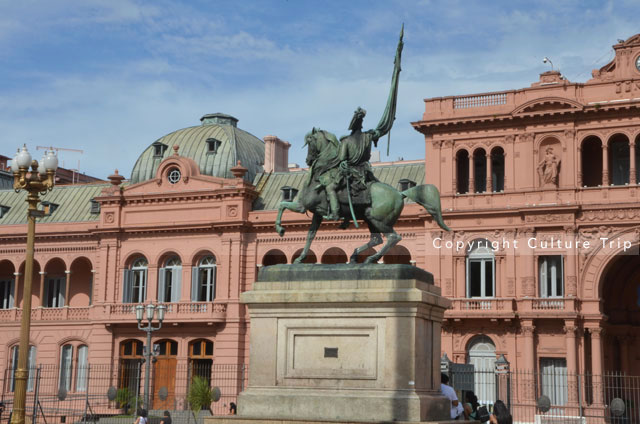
x,y
605,165
596,363
455,174
579,167
489,179
571,286
42,277
67,275
528,354
472,168
632,162
572,369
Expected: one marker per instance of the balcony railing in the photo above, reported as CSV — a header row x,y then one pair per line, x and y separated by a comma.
x,y
480,101
482,306
119,312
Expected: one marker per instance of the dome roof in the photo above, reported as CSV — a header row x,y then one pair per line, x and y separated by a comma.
x,y
216,146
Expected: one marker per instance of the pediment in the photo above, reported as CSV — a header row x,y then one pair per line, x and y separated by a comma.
x,y
162,186
634,40
547,105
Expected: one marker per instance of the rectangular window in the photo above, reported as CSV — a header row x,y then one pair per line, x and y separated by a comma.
x,y
203,283
6,293
139,285
54,291
480,278
66,354
553,380
169,284
551,276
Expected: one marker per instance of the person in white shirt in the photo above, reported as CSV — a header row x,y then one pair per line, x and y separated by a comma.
x,y
456,407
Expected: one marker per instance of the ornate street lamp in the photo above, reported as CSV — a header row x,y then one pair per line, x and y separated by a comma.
x,y
37,181
150,310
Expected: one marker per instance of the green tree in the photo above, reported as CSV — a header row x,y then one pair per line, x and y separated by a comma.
x,y
199,396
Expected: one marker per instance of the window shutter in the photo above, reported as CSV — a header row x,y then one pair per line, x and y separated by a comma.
x,y
561,277
12,292
176,286
81,373
162,273
126,286
145,280
543,277
195,271
32,367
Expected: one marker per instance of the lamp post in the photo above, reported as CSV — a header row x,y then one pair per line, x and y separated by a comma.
x,y
150,310
39,181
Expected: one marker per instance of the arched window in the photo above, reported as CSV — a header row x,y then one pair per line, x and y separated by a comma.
x,y
480,269
397,255
462,172
73,364
480,171
497,169
334,255
274,257
591,160
130,365
201,358
135,282
31,365
7,285
619,159
310,259
203,280
169,280
482,354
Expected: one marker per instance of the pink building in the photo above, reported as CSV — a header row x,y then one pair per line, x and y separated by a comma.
x,y
527,177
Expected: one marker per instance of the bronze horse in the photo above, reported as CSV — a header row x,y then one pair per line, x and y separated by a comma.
x,y
380,214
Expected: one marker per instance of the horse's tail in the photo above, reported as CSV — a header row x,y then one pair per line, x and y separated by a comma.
x,y
427,196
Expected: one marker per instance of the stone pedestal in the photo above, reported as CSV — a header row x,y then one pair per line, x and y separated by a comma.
x,y
342,343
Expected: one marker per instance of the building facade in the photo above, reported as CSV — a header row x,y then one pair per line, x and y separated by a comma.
x,y
532,181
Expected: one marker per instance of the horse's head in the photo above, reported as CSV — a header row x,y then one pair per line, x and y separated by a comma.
x,y
311,141
317,140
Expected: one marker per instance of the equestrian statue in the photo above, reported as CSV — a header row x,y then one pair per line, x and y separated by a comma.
x,y
341,186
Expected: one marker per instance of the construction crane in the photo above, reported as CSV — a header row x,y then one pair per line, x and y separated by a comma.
x,y
57,149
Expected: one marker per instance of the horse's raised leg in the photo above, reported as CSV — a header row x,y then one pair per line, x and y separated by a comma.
x,y
292,206
392,239
315,224
375,240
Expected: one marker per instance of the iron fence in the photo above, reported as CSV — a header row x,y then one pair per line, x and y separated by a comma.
x,y
553,396
112,393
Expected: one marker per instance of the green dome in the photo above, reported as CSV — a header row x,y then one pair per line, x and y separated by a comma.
x,y
216,146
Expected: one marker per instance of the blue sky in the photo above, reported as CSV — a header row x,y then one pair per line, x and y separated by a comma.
x,y
112,76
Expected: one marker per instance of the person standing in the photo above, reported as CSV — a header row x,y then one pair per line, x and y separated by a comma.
x,y
501,414
450,393
166,419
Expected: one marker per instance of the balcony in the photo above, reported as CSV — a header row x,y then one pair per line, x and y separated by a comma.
x,y
120,313
494,308
548,307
